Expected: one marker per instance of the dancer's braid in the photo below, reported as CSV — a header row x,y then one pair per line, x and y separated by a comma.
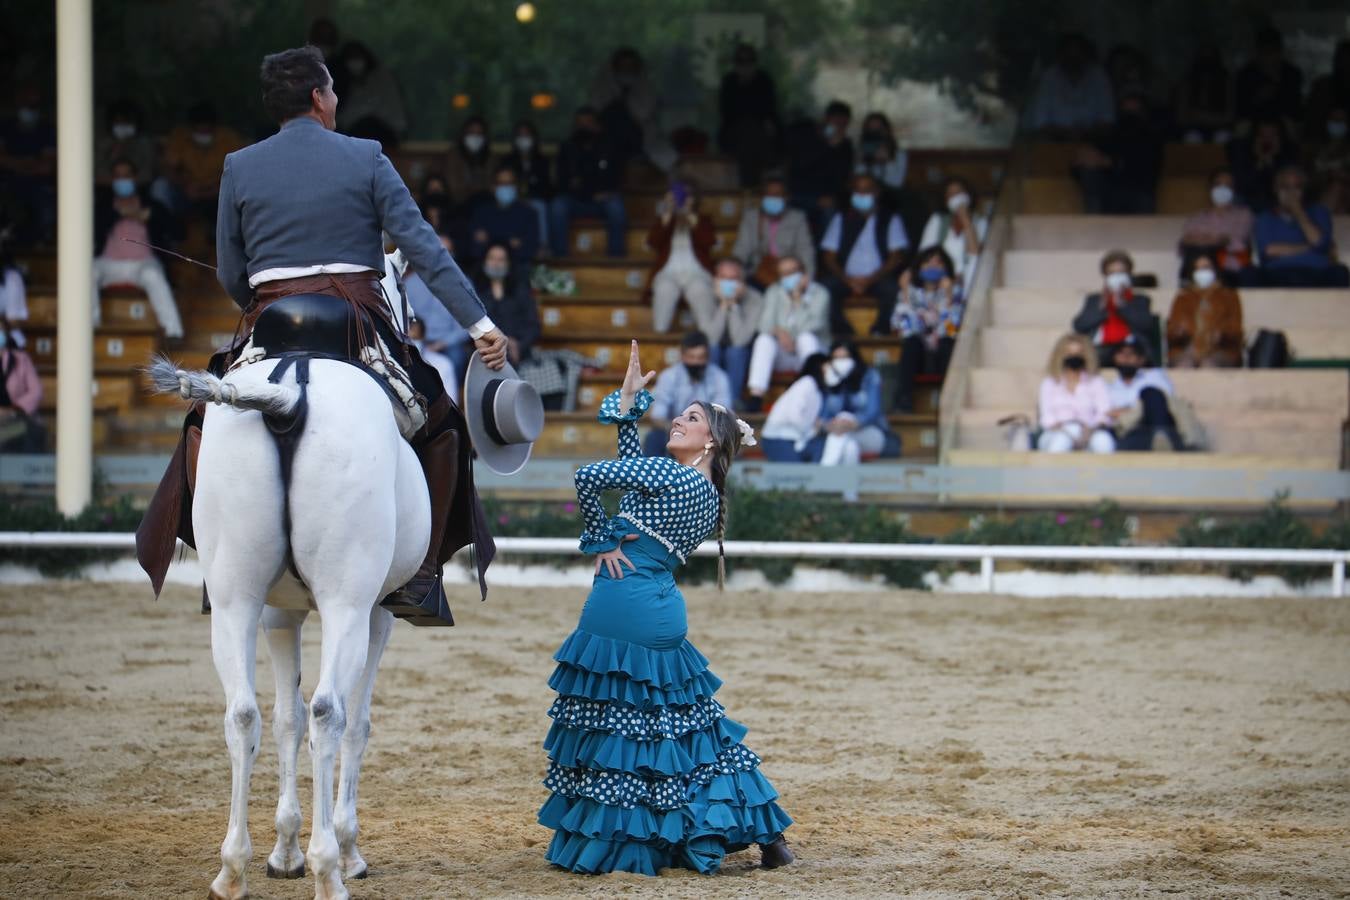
x,y
726,439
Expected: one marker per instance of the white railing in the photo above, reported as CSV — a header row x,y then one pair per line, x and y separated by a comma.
x,y
986,554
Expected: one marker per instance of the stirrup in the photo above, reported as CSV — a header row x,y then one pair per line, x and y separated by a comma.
x,y
421,601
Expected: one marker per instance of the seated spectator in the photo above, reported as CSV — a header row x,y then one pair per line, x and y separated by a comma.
x,y
695,378
13,291
444,366
630,111
125,139
791,431
927,316
20,396
589,177
28,168
372,103
1330,162
820,163
1204,328
1294,238
533,173
683,241
732,325
748,105
1269,87
1255,161
506,220
1330,91
880,156
794,325
441,332
1118,172
862,251
1074,96
505,292
1117,311
468,167
851,415
1204,98
1139,403
770,231
125,221
436,205
1224,230
194,156
959,231
1074,407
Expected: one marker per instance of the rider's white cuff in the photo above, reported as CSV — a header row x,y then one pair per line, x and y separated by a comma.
x,y
481,327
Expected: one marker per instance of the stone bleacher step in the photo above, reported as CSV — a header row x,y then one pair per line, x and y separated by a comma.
x,y
111,392
117,347
1029,347
590,241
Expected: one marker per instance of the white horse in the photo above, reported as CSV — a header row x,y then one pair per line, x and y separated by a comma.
x,y
353,523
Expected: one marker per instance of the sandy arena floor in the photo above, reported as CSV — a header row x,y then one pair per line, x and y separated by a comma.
x,y
927,745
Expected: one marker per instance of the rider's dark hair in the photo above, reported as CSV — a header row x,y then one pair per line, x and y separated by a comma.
x,y
289,78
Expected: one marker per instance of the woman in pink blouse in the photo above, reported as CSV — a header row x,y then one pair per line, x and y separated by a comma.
x,y
20,395
1074,409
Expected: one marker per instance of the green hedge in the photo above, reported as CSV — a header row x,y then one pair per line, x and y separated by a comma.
x,y
42,515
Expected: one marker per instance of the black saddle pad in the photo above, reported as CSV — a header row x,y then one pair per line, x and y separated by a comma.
x,y
316,322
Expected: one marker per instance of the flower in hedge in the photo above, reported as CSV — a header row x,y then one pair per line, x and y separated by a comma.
x,y
503,519
1096,523
569,508
1061,519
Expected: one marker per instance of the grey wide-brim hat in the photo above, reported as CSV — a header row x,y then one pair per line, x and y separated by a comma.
x,y
504,413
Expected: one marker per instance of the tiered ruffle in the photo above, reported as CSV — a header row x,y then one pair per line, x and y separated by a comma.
x,y
646,770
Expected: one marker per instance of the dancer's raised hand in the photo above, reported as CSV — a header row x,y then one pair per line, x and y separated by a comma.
x,y
633,379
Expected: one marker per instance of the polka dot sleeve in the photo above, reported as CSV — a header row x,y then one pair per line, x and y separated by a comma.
x,y
640,475
611,414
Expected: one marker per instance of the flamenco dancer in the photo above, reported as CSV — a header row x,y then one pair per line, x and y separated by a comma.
x,y
646,770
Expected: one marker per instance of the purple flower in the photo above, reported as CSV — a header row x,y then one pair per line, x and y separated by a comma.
x,y
569,508
503,519
1061,519
1096,523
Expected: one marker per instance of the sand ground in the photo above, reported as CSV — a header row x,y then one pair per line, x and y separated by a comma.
x,y
927,745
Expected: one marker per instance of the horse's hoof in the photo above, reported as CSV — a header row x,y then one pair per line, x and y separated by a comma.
x,y
297,872
361,874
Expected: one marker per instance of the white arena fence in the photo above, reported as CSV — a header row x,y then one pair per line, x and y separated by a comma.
x,y
987,555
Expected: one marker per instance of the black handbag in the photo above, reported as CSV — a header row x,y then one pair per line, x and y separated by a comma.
x,y
1269,350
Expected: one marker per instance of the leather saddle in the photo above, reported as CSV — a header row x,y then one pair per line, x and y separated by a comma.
x,y
314,323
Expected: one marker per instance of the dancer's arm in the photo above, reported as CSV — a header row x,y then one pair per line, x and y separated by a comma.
x,y
642,474
626,405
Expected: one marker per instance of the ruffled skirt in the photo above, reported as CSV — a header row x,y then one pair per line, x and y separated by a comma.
x,y
646,771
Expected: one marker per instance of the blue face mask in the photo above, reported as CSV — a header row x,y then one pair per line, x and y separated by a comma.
x,y
728,287
791,282
124,187
932,274
773,206
863,203
506,194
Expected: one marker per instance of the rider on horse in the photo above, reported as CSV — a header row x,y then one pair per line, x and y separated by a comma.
x,y
302,213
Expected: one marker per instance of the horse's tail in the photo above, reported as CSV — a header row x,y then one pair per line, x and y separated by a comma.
x,y
277,401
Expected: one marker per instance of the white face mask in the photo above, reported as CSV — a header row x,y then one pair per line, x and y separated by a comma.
x,y
1336,129
837,371
958,201
1221,194
1203,278
474,142
123,131
203,138
1117,282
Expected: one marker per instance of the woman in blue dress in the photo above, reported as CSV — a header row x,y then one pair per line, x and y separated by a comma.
x,y
646,771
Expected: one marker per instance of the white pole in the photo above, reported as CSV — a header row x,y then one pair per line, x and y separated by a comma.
x,y
1338,578
74,254
987,573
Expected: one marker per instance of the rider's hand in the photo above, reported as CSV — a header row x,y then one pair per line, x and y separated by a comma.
x,y
492,348
614,560
633,380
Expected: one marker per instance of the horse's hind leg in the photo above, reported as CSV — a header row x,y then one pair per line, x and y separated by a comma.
x,y
282,628
354,745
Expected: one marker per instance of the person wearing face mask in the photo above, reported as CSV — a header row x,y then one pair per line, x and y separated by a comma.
x,y
506,220
820,162
695,379
13,291
28,167
124,139
771,230
927,317
126,220
468,167
372,102
509,301
589,178
1224,229
194,155
630,110
863,249
1204,327
731,329
533,173
1329,161
795,323
959,231
879,155
1142,399
1117,311
682,240
1074,407
1295,238
748,104
792,429
20,396
851,415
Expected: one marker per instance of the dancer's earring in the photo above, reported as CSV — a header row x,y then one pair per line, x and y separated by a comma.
x,y
698,459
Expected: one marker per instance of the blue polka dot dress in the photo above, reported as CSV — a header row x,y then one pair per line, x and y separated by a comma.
x,y
645,769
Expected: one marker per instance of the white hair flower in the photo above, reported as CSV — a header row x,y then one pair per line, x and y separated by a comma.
x,y
747,433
